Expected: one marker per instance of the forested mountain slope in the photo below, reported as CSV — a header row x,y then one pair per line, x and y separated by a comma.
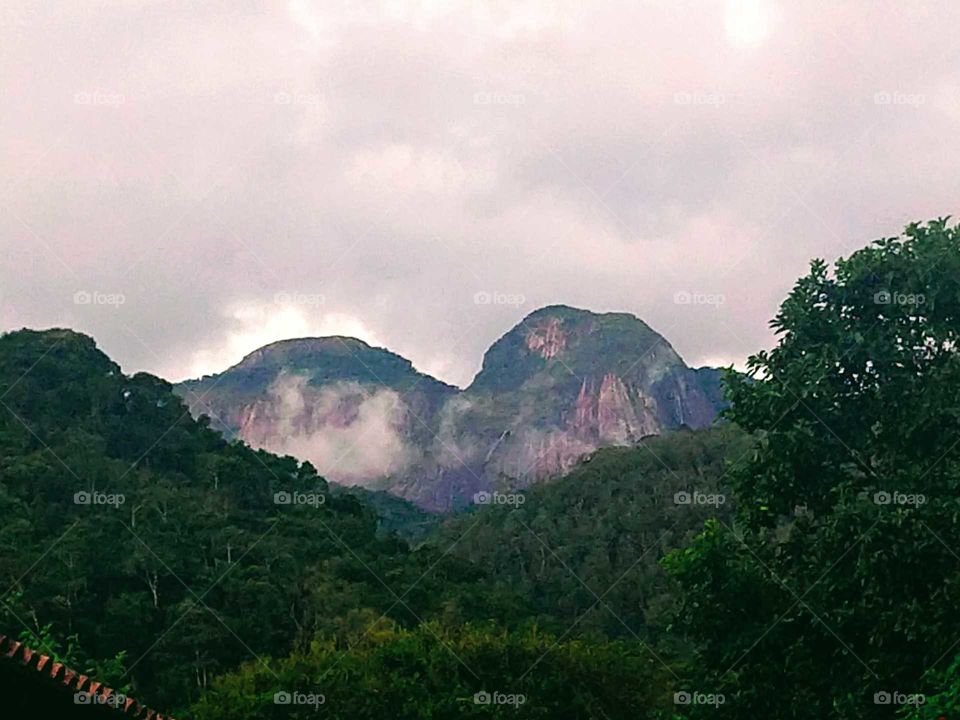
x,y
137,542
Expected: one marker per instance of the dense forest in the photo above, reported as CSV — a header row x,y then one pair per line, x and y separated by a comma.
x,y
800,559
160,555
587,548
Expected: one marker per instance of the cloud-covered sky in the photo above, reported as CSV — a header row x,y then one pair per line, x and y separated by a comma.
x,y
187,180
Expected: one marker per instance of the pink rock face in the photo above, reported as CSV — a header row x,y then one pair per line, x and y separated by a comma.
x,y
256,424
585,413
614,414
548,339
536,455
266,422
608,412
352,434
620,419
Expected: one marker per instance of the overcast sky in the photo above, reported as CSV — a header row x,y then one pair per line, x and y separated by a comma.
x,y
187,180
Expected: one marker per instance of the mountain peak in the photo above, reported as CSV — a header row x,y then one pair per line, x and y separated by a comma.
x,y
576,314
331,358
569,312
558,309
292,349
562,339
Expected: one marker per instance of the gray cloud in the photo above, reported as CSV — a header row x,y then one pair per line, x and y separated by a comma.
x,y
245,171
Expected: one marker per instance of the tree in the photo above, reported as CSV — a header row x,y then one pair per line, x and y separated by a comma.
x,y
837,585
192,567
600,531
435,672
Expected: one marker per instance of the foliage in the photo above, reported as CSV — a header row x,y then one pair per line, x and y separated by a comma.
x,y
601,531
437,672
396,515
111,671
945,703
129,527
840,579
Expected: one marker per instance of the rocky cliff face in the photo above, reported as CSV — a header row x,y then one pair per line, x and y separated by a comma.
x,y
361,415
556,387
353,434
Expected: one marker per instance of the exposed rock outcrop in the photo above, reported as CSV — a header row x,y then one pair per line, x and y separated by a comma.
x,y
556,387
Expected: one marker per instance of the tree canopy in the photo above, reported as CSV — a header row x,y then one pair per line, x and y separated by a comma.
x,y
833,593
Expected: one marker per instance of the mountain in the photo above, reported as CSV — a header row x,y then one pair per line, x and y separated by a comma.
x,y
559,385
359,414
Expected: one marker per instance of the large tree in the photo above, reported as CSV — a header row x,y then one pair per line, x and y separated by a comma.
x,y
836,587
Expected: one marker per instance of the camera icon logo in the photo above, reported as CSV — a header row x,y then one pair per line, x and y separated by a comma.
x,y
482,698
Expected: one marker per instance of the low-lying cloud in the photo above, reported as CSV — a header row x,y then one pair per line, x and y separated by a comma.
x,y
352,434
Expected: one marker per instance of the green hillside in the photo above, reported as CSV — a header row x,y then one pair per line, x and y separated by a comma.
x,y
133,533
